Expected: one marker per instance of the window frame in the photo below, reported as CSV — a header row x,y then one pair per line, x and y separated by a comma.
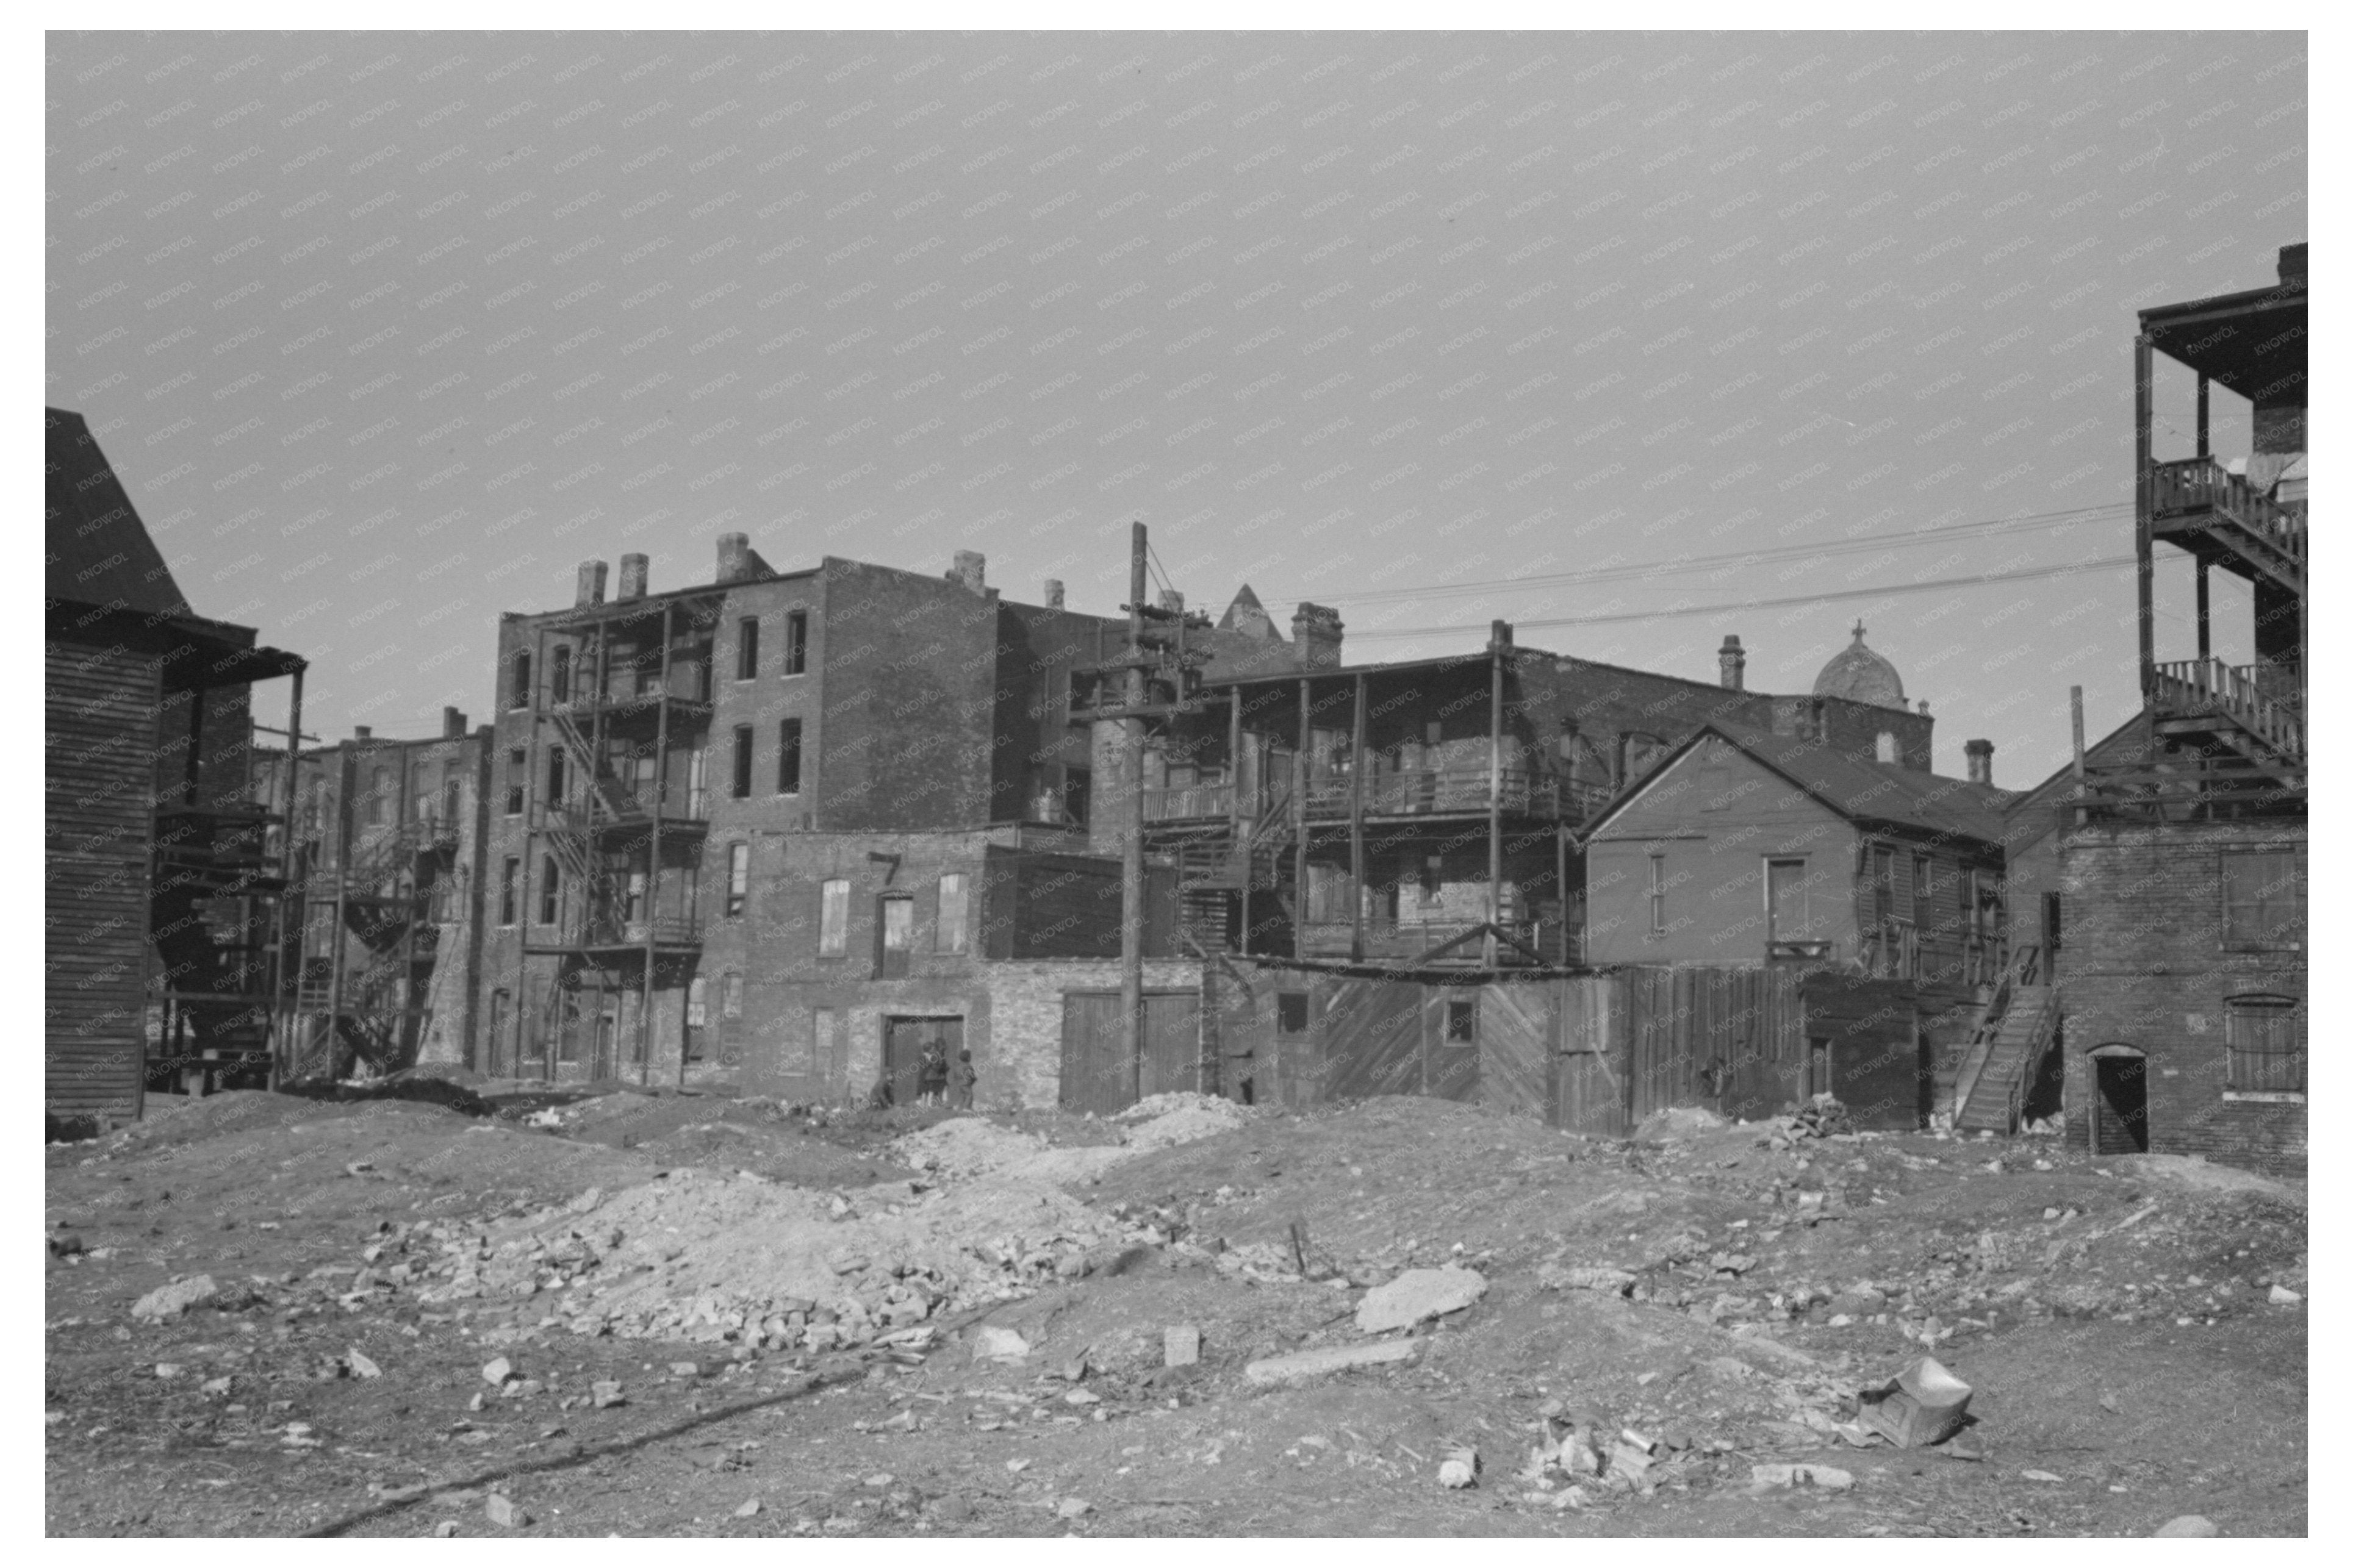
x,y
1283,1008
1658,894
551,892
510,892
833,918
1459,1027
730,994
748,648
1773,933
788,751
795,642
1924,894
520,691
2277,1010
738,778
518,778
2232,942
953,936
894,908
739,877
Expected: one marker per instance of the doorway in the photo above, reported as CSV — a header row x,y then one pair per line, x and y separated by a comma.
x,y
2119,1101
905,1043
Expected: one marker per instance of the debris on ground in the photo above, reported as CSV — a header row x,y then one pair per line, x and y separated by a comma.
x,y
1418,1295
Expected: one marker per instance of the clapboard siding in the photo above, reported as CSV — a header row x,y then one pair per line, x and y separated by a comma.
x,y
101,718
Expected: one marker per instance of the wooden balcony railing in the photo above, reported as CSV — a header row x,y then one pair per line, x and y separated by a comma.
x,y
2197,487
1458,791
1402,941
2196,685
668,930
1194,803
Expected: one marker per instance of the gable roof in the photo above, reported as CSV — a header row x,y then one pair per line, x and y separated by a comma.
x,y
1880,794
1247,615
99,551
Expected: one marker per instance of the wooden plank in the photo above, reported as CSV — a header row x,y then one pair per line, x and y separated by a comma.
x,y
1450,1069
1372,1040
1515,1028
1093,1048
1172,1044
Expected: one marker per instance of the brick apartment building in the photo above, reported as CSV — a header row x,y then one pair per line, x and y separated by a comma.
x,y
2183,868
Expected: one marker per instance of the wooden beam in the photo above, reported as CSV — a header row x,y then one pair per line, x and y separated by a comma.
x,y
1357,830
1499,637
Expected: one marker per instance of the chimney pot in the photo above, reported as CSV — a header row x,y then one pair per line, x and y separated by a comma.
x,y
734,558
1981,755
971,570
453,724
1315,631
633,578
1053,593
361,732
1732,665
591,589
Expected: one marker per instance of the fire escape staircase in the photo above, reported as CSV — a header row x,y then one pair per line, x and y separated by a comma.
x,y
2239,526
1213,868
2020,1025
572,831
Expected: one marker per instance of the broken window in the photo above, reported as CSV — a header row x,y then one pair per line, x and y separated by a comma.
x,y
2265,1039
2262,901
748,648
833,918
949,936
897,935
1290,1012
796,643
739,877
788,757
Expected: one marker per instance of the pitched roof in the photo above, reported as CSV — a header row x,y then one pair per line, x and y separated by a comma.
x,y
1247,615
1859,791
99,551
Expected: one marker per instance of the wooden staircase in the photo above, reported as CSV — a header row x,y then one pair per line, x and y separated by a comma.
x,y
1213,871
2021,1020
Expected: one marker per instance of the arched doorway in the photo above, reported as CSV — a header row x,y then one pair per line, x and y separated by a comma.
x,y
2119,1099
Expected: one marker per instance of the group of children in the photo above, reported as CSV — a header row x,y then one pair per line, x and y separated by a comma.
x,y
940,1082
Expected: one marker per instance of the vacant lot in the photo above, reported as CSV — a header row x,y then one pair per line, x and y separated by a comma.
x,y
729,1317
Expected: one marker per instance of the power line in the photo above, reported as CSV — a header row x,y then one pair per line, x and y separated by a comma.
x,y
1982,529
1982,579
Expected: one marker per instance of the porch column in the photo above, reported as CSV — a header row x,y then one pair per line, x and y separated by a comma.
x,y
2145,563
1357,831
1298,823
1498,639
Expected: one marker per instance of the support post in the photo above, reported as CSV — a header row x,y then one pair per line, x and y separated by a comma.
x,y
1499,637
283,1005
1240,847
653,871
1560,887
1357,829
2143,545
530,810
1299,773
2205,447
2205,636
1131,880
335,942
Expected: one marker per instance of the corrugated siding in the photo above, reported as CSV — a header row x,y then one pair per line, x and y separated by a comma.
x,y
97,822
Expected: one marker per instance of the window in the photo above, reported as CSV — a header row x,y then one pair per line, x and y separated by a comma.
x,y
1787,911
555,775
1462,1023
2262,901
796,643
509,876
1078,793
748,648
1658,895
518,763
2266,1036
820,1057
1433,875
897,936
1883,883
1290,1012
740,784
739,877
731,995
788,757
950,935
698,1002
453,796
833,918
500,999
633,896
1924,891
559,674
379,786
519,693
551,892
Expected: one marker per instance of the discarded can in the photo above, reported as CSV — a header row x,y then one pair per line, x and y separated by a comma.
x,y
1925,1405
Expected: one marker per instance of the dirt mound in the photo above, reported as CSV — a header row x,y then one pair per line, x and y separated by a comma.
x,y
1684,1121
2193,1172
174,1121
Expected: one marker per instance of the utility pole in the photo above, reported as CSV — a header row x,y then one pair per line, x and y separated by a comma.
x,y
1131,879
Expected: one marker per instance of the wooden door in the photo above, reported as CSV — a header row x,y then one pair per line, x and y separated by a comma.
x,y
1372,1033
904,1040
1172,1044
1096,1076
1454,1018
1515,1034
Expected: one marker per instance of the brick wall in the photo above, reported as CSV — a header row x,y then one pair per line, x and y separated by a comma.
x,y
1023,1065
2143,965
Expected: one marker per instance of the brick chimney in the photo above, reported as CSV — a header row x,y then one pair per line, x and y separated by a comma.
x,y
734,558
1981,755
1315,629
361,732
1732,665
971,569
1053,593
591,590
453,724
2293,260
633,578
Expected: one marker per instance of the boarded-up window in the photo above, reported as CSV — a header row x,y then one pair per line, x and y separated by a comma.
x,y
950,936
820,1040
1787,906
1290,1012
833,918
739,877
2265,1035
897,936
2262,901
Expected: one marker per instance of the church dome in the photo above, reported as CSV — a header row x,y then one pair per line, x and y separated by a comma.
x,y
1860,675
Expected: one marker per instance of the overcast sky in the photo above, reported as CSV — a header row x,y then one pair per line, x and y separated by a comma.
x,y
384,333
